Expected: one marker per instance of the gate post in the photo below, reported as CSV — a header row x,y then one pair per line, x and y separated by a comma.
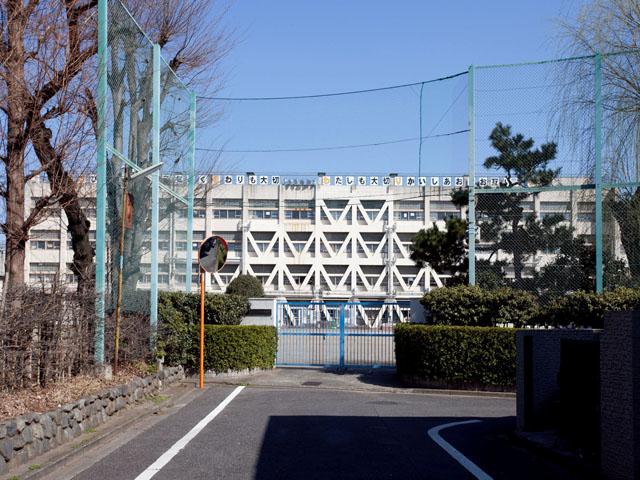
x,y
342,337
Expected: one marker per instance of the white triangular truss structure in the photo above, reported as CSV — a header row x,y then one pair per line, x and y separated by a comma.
x,y
351,247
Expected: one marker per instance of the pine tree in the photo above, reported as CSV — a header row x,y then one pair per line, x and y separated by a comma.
x,y
501,216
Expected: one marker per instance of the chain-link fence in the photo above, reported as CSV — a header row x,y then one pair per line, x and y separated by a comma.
x,y
145,172
554,205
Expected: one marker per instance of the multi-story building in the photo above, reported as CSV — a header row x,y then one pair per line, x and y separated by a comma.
x,y
303,239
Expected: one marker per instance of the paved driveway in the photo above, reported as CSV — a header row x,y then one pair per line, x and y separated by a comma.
x,y
293,433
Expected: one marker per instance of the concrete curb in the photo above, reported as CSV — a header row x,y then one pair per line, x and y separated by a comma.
x,y
407,391
51,466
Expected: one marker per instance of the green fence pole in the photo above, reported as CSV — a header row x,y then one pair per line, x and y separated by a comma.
x,y
192,180
471,221
155,194
101,183
598,172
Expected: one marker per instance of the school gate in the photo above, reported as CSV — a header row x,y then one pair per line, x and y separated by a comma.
x,y
338,334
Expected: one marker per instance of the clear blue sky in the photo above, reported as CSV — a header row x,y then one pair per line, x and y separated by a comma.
x,y
310,47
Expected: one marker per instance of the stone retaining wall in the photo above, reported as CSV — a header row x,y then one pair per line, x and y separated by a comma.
x,y
27,436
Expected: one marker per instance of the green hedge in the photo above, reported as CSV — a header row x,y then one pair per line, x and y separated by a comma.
x,y
472,306
233,348
587,309
227,347
218,309
179,319
482,358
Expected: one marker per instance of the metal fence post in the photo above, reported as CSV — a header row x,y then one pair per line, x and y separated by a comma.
x,y
191,187
598,172
471,222
342,336
155,194
101,183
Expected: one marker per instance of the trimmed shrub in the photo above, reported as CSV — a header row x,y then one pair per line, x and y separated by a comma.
x,y
218,309
473,306
460,305
227,347
233,348
179,319
247,286
506,305
452,357
587,309
176,341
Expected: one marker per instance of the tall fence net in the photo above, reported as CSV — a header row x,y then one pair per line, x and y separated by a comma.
x,y
407,129
555,166
146,124
548,151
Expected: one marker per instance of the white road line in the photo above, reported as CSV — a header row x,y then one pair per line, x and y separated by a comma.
x,y
434,433
180,444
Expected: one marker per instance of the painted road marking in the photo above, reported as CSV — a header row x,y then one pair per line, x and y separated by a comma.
x,y
166,457
434,433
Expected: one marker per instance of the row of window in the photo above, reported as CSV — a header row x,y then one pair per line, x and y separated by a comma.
x,y
335,214
410,215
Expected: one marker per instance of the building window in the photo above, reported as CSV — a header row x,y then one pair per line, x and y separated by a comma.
x,y
45,240
199,208
263,209
586,212
555,209
443,210
181,240
227,214
299,209
164,239
163,273
336,208
41,272
227,208
408,216
435,216
372,207
198,238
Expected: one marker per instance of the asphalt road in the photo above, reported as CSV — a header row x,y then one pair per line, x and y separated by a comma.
x,y
268,433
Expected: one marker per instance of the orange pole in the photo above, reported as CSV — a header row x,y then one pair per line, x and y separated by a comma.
x,y
201,328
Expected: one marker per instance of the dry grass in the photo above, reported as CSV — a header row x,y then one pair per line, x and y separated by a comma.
x,y
40,400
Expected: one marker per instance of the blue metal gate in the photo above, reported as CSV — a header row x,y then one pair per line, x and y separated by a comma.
x,y
338,334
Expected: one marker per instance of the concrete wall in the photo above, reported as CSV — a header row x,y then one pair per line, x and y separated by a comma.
x,y
620,396
537,371
27,436
261,312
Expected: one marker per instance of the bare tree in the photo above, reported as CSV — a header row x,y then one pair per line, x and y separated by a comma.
x,y
43,49
48,114
608,26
